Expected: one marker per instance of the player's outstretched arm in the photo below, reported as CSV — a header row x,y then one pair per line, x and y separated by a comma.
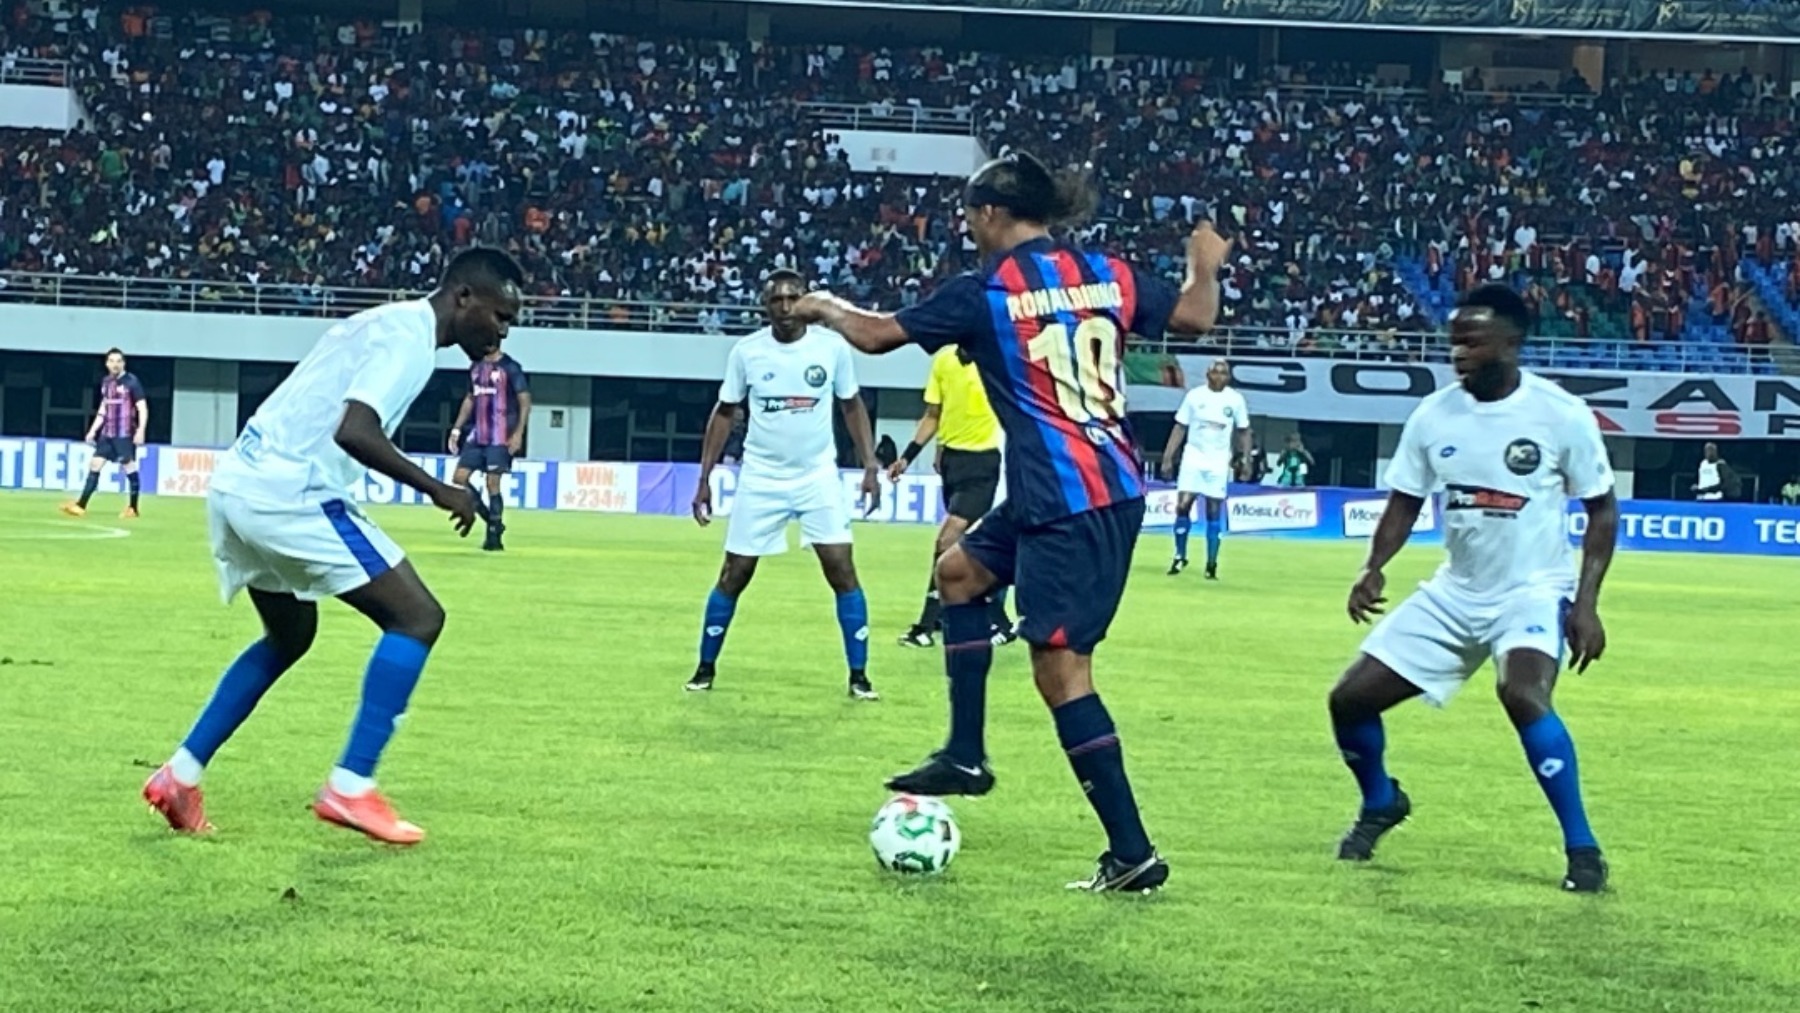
x,y
360,435
874,333
1587,635
1197,311
1366,598
712,447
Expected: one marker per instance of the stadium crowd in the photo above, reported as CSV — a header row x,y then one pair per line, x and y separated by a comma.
x,y
258,151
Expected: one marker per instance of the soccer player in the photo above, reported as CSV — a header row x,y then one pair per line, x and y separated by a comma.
x,y
1509,449
499,399
116,433
1208,420
786,375
1045,323
284,526
958,414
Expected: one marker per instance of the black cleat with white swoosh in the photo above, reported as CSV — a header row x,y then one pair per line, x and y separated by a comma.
x,y
939,775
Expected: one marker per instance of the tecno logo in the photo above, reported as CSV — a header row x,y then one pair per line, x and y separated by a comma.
x,y
1659,527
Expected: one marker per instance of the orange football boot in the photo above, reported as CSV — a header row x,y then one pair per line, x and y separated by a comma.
x,y
73,509
180,804
368,813
128,514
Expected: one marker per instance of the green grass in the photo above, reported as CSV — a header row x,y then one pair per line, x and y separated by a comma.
x,y
602,841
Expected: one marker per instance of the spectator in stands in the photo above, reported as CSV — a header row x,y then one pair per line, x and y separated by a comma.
x,y
1294,464
1790,493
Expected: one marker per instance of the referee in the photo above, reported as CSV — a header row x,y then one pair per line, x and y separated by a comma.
x,y
968,434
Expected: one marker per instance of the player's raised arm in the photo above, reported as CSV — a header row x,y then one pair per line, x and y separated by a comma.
x,y
947,317
874,333
1197,310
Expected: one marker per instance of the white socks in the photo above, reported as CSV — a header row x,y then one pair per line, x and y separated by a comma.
x,y
346,783
186,769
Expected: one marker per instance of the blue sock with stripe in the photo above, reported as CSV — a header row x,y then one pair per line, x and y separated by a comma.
x,y
239,690
968,654
1092,745
1363,745
1551,752
1215,528
1183,525
720,607
853,623
393,671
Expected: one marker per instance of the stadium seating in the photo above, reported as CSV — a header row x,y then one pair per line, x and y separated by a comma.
x,y
295,154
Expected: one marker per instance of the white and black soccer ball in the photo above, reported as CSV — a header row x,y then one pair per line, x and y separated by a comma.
x,y
915,835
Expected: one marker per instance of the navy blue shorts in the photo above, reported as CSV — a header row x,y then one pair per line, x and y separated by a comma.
x,y
495,460
118,449
1068,576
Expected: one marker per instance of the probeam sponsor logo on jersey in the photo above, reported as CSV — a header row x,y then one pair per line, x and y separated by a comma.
x,y
1290,511
1048,302
1361,517
1492,502
789,404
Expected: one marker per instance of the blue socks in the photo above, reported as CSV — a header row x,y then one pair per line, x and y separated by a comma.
x,y
1092,745
1551,753
968,654
1183,525
853,622
719,610
387,686
1362,744
239,689
1214,528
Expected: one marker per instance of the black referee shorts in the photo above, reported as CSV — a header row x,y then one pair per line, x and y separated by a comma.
x,y
971,479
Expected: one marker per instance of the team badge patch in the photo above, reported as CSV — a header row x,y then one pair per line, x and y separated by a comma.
x,y
1523,457
815,376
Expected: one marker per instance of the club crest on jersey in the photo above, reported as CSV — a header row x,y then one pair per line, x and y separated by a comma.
x,y
1523,457
815,376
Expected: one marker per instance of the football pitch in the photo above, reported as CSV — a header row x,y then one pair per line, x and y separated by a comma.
x,y
600,840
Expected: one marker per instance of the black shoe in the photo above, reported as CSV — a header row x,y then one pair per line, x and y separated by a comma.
x,y
1212,571
1000,636
702,680
1359,844
939,776
918,636
1114,876
860,688
1587,871
1176,565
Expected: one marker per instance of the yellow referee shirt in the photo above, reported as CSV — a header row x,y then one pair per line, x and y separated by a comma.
x,y
965,420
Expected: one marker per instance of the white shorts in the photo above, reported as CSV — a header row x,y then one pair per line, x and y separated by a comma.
x,y
308,550
1199,477
762,508
1439,636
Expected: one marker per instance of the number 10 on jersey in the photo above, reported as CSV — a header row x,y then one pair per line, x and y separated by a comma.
x,y
1086,369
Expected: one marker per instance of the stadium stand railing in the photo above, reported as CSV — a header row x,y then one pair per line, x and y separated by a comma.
x,y
601,314
892,116
33,70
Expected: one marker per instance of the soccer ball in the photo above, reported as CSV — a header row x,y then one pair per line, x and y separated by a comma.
x,y
915,835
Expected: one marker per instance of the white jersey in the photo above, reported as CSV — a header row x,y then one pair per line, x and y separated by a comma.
x,y
1709,479
288,451
790,389
1508,469
1212,418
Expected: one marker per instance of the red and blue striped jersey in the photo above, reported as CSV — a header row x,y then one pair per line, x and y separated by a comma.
x,y
1046,324
494,389
119,397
